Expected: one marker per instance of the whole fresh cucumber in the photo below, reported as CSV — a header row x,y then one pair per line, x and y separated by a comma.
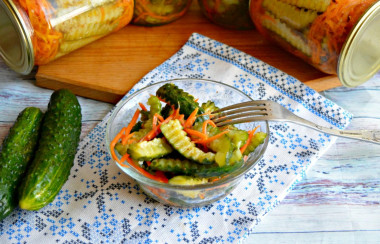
x,y
17,151
54,157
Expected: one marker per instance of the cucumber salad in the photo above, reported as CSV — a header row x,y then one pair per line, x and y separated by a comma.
x,y
171,139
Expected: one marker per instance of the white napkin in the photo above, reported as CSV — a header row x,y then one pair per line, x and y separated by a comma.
x,y
99,203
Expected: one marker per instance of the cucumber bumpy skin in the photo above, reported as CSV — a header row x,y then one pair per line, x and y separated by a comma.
x,y
177,137
17,151
149,150
54,157
257,139
177,97
190,168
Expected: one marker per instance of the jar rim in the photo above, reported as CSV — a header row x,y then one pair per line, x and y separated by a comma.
x,y
359,59
16,48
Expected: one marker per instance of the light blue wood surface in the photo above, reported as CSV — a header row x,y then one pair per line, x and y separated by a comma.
x,y
337,202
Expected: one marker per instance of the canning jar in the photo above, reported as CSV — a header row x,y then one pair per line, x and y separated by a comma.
x,y
159,12
35,32
231,14
335,36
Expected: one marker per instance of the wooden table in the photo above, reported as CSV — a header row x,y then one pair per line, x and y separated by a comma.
x,y
337,202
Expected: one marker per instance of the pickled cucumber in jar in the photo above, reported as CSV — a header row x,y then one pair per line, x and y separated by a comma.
x,y
61,26
314,30
231,14
159,12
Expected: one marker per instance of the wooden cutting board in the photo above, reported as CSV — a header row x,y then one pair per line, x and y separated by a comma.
x,y
108,68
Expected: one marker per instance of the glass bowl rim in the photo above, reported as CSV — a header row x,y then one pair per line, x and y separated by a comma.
x,y
143,179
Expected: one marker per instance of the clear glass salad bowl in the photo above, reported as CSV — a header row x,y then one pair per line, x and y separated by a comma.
x,y
187,195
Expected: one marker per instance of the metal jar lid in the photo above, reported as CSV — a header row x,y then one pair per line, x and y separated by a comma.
x,y
15,43
360,56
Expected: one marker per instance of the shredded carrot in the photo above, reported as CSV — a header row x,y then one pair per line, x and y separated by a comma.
x,y
154,121
160,178
151,134
45,39
144,13
127,14
181,119
333,27
161,174
142,106
125,139
250,135
123,159
133,122
160,118
176,112
191,119
168,119
210,139
195,133
161,99
204,125
209,114
113,143
196,100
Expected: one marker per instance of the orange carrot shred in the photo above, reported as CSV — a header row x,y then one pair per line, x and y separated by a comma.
x,y
195,133
142,106
113,143
250,135
126,138
191,119
204,125
210,139
160,178
133,122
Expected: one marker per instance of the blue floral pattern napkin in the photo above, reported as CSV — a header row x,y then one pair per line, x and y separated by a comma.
x,y
99,203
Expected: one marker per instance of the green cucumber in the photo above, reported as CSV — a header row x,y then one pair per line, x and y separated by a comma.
x,y
222,146
177,137
209,107
187,167
171,94
54,157
185,180
17,151
166,111
257,139
147,119
238,137
149,150
155,105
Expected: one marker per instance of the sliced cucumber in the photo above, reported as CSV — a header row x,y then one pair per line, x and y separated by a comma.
x,y
209,106
222,146
179,98
238,137
187,167
177,137
257,139
187,180
149,150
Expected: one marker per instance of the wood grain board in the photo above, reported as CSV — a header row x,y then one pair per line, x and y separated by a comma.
x,y
108,68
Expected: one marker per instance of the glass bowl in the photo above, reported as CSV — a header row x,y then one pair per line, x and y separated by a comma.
x,y
185,195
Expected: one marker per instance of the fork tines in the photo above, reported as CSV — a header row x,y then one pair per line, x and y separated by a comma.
x,y
240,113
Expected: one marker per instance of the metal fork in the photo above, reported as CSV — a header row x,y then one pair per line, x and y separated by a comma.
x,y
271,111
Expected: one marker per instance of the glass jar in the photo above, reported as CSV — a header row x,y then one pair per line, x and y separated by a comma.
x,y
159,12
337,37
39,31
231,14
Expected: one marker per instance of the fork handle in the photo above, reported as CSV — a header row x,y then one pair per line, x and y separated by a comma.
x,y
372,136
